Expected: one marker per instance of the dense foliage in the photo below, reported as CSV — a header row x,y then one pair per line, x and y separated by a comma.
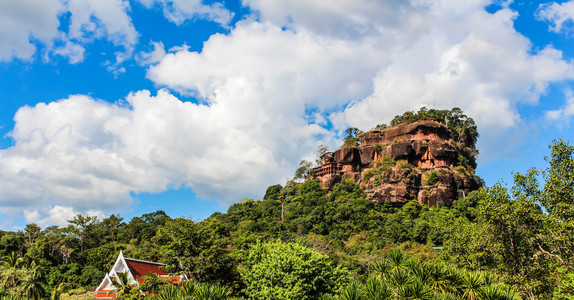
x,y
496,243
462,127
297,272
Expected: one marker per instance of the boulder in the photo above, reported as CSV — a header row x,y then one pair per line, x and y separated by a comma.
x,y
351,175
328,181
371,137
433,196
367,154
415,130
401,150
392,193
347,155
441,149
420,147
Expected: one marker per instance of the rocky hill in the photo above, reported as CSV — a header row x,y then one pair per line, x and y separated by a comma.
x,y
421,160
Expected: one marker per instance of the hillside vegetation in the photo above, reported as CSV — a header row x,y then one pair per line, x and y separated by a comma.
x,y
496,243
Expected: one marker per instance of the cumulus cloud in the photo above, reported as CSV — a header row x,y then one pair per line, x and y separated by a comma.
x,y
109,19
560,16
377,59
24,23
487,70
23,20
266,92
178,11
87,155
57,215
292,69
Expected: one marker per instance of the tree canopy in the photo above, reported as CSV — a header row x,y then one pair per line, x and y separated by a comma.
x,y
462,127
496,243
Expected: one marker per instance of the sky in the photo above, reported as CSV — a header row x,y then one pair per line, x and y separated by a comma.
x,y
187,106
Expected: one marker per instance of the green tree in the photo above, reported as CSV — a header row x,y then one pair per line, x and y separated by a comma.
x,y
351,137
558,194
197,249
276,270
304,170
273,192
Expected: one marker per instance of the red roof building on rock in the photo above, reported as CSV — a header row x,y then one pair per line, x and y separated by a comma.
x,y
136,269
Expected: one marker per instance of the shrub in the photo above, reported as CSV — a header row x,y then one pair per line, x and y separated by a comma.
x,y
368,174
433,178
276,270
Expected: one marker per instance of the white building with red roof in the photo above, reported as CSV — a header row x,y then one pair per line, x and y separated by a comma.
x,y
136,269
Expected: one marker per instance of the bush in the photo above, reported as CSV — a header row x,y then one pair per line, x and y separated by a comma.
x,y
433,178
388,162
277,270
368,174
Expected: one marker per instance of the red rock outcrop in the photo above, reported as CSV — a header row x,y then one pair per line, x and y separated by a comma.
x,y
398,164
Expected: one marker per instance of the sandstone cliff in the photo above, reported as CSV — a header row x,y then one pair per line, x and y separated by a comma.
x,y
410,161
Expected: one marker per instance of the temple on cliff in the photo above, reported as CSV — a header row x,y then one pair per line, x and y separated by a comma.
x,y
419,149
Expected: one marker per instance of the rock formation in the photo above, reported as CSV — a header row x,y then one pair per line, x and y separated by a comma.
x,y
410,161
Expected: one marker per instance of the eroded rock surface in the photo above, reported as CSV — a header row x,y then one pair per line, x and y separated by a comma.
x,y
413,161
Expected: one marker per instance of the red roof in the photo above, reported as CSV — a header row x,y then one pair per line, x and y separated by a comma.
x,y
140,268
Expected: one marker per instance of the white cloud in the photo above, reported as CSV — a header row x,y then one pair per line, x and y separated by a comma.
x,y
298,68
109,19
23,20
378,59
561,16
263,89
73,51
89,155
566,112
23,23
152,57
57,215
91,19
385,21
486,69
178,11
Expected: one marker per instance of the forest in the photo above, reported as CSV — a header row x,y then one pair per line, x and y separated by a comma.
x,y
499,242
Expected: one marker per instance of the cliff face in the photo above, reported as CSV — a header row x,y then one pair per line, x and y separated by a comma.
x,y
412,161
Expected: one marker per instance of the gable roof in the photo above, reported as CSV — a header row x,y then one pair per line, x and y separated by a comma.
x,y
139,268
136,269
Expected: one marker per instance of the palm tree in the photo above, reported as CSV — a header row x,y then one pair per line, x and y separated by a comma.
x,y
193,290
376,289
471,285
57,292
169,292
490,292
399,277
424,272
31,283
11,260
446,279
211,292
122,283
416,290
351,292
392,261
380,267
396,259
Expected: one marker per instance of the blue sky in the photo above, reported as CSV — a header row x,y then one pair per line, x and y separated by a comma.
x,y
127,107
